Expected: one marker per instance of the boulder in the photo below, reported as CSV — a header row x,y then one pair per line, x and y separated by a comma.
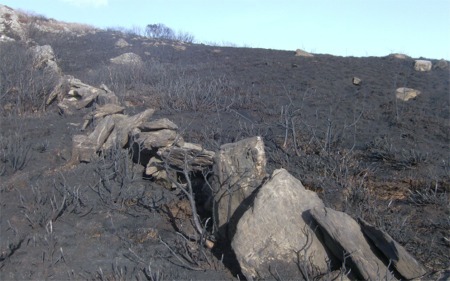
x,y
423,65
356,81
301,53
405,94
405,264
343,236
127,59
121,43
239,168
441,64
277,231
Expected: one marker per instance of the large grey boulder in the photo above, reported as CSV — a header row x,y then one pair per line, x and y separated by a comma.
x,y
422,65
344,237
405,264
277,232
239,168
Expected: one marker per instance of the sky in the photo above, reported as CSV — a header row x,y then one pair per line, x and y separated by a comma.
x,y
418,28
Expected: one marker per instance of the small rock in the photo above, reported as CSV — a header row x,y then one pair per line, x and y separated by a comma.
x,y
356,81
405,94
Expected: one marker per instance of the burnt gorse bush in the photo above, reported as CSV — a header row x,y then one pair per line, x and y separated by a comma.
x,y
23,87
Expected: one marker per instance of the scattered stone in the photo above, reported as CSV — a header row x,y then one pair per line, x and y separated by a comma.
x,y
423,65
127,59
301,53
85,147
405,94
100,112
155,139
124,127
277,232
187,156
72,95
159,124
343,236
403,262
239,169
356,81
121,43
441,64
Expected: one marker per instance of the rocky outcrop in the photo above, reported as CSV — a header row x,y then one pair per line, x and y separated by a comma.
x,y
277,232
239,168
127,59
10,25
422,65
16,25
405,264
405,94
343,236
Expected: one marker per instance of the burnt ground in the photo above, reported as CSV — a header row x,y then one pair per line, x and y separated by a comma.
x,y
363,151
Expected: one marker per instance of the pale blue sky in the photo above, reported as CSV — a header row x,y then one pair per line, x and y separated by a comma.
x,y
339,27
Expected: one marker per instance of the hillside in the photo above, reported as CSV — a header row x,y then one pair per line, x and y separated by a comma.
x,y
363,150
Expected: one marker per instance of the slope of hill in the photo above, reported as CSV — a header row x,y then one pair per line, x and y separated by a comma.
x,y
363,150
